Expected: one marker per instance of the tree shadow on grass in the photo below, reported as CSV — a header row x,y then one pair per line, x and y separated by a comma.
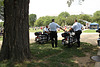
x,y
62,56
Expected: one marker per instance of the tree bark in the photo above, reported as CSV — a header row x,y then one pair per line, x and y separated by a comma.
x,y
16,31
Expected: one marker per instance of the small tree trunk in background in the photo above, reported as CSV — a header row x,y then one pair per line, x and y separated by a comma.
x,y
16,31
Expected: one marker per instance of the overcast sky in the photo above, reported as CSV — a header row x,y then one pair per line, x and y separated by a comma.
x,y
55,7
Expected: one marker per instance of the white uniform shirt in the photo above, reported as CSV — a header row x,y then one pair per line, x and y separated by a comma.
x,y
45,29
53,26
76,26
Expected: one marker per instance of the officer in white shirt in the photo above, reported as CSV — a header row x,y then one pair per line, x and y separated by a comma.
x,y
46,31
53,32
77,27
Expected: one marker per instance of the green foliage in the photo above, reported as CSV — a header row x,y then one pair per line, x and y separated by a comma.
x,y
1,24
64,18
32,19
1,10
39,22
43,21
80,21
69,2
70,19
64,14
96,17
85,17
61,21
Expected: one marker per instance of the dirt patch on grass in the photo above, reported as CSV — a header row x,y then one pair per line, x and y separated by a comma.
x,y
84,61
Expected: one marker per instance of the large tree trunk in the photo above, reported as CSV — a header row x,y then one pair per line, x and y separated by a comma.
x,y
16,30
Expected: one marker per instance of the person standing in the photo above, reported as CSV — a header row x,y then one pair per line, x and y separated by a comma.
x,y
53,32
77,27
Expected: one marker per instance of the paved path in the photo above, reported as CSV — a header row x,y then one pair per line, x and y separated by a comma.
x,y
85,37
89,38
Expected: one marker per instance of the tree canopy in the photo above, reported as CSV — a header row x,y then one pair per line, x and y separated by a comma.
x,y
1,10
64,14
43,21
69,2
96,16
85,17
32,19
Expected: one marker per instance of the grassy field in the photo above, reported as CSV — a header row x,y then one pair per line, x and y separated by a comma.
x,y
89,31
31,30
1,37
46,56
86,31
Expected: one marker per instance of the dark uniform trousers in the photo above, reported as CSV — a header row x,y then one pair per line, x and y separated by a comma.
x,y
77,34
53,37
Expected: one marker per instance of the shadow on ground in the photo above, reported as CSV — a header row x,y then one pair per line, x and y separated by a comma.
x,y
43,55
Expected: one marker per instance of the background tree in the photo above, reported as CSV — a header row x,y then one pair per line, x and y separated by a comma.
x,y
47,20
64,14
69,2
61,21
96,17
16,31
1,10
32,19
1,24
39,22
70,19
84,17
43,21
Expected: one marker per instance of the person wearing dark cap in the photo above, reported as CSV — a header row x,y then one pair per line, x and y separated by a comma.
x,y
53,32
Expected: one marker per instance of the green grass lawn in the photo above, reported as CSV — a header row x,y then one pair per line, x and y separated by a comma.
x,y
46,56
89,31
1,38
31,30
86,31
